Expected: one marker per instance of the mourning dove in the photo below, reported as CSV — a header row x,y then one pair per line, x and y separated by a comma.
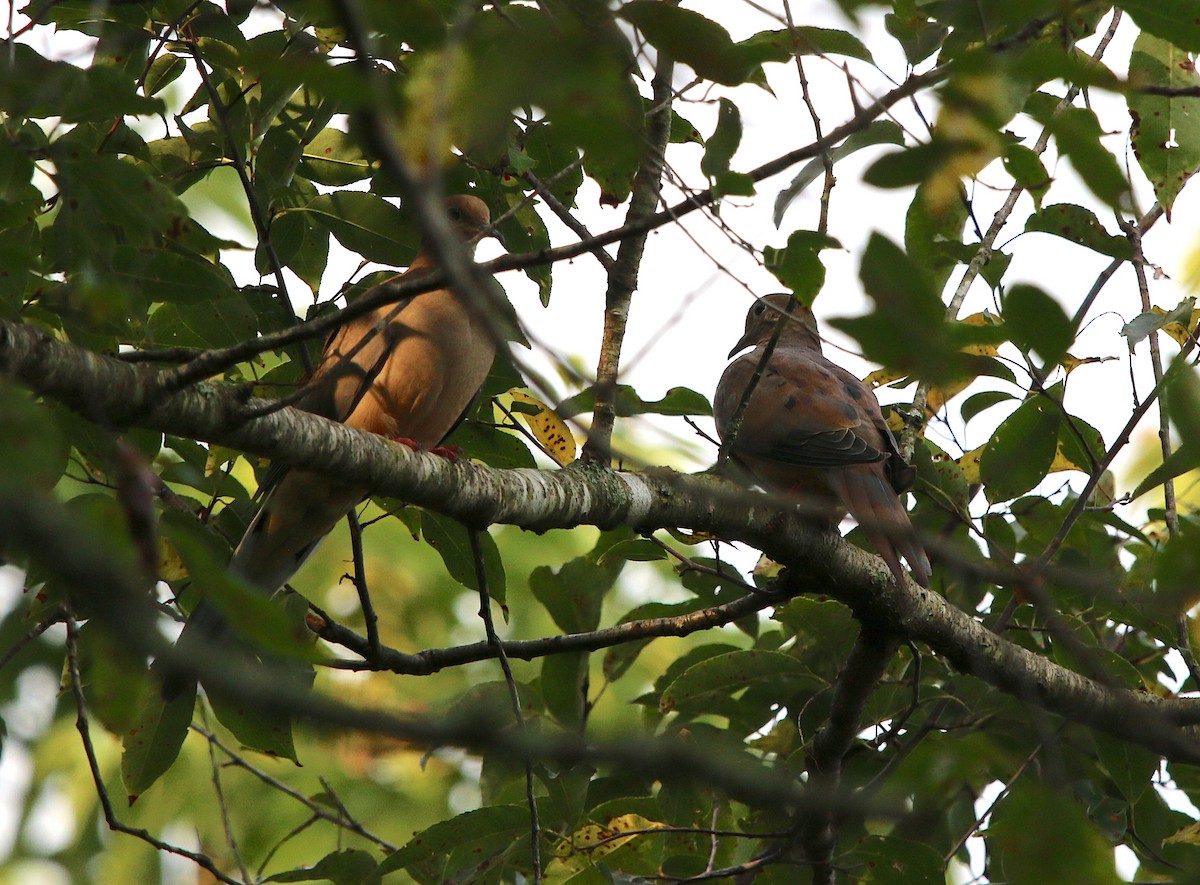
x,y
407,372
812,431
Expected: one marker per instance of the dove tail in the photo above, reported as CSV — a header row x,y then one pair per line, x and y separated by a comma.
x,y
883,519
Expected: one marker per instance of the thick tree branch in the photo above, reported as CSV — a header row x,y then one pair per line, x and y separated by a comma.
x,y
544,499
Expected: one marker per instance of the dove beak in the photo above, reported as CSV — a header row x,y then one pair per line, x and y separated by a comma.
x,y
743,342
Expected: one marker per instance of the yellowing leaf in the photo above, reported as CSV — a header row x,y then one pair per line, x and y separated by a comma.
x,y
686,537
882,377
547,428
1071,363
970,464
170,564
595,841
1189,835
1176,330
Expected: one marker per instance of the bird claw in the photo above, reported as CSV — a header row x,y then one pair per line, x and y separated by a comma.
x,y
453,454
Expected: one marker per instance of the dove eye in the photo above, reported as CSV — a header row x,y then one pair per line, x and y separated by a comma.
x,y
758,309
455,213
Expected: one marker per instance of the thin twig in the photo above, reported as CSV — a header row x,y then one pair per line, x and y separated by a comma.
x,y
85,735
360,583
493,638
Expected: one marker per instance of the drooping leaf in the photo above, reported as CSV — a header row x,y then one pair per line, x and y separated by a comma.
x,y
1022,449
1027,170
798,265
451,540
698,42
153,741
723,143
1079,225
1177,21
367,225
1035,321
1038,835
1166,128
1077,132
878,132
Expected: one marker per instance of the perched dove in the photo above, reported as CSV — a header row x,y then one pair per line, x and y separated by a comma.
x,y
812,431
408,373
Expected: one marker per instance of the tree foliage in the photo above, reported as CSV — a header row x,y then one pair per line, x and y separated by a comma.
x,y
653,712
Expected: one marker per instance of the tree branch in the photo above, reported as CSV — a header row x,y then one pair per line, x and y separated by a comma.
x,y
543,499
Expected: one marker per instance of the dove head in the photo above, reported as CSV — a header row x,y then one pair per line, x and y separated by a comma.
x,y
800,329
470,218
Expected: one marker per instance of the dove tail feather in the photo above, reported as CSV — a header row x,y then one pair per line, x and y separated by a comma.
x,y
883,519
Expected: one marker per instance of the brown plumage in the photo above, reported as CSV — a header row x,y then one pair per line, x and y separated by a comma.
x,y
814,432
406,373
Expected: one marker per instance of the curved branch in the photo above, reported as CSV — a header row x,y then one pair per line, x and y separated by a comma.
x,y
544,499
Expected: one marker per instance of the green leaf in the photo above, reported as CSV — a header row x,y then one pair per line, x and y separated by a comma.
x,y
678,401
491,445
1131,768
917,35
347,867
928,233
910,166
1078,133
152,742
907,331
266,730
574,594
1019,455
275,161
334,158
228,318
575,68
367,225
451,539
887,860
1166,128
723,143
980,401
113,677
731,672
1035,321
798,265
36,88
1081,443
620,658
33,453
1039,835
564,688
1026,168
103,202
698,42
1177,21
477,833
1079,225
878,132
301,244
175,275
635,550
779,46
1182,397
